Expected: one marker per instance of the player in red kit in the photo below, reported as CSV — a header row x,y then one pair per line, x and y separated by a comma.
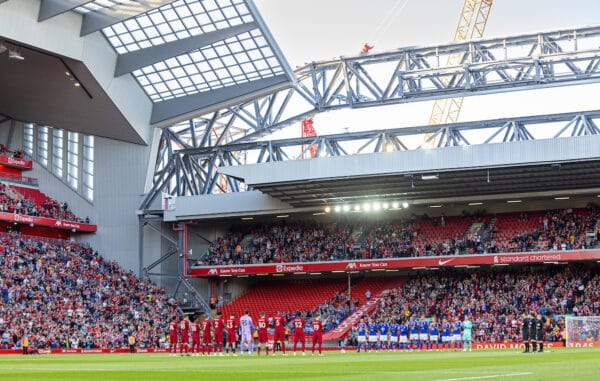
x,y
218,325
299,333
317,338
184,335
231,327
173,330
196,337
206,336
279,336
263,337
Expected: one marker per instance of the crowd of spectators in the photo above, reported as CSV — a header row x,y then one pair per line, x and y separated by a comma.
x,y
17,154
495,300
561,229
60,294
11,201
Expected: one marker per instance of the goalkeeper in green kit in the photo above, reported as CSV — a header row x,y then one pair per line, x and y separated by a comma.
x,y
467,326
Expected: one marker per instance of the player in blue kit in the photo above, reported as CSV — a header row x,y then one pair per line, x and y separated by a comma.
x,y
434,334
394,330
384,328
423,333
403,339
362,335
414,334
373,335
446,339
456,334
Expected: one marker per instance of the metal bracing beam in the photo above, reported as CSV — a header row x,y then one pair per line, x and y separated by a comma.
x,y
96,20
205,161
182,107
498,124
52,8
128,62
160,260
416,74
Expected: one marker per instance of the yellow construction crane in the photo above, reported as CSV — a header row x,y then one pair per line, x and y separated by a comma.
x,y
472,22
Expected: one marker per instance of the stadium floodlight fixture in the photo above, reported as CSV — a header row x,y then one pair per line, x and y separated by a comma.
x,y
475,203
366,207
395,205
434,176
405,204
283,216
247,218
357,208
314,273
385,205
562,198
513,201
435,206
77,84
337,208
346,208
389,148
376,206
327,209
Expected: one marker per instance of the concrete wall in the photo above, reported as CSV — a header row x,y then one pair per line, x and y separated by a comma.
x,y
119,177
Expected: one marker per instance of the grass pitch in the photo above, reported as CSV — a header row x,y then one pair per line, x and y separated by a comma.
x,y
560,364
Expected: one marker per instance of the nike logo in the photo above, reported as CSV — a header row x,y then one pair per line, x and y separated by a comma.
x,y
442,263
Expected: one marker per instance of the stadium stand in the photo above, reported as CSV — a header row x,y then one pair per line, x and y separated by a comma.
x,y
32,202
562,229
65,295
286,296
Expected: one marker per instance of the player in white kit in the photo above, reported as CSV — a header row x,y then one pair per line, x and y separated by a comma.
x,y
247,327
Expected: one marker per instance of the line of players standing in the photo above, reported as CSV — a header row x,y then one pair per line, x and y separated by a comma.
x,y
208,336
414,334
532,330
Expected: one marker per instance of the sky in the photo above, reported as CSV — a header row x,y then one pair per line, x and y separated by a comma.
x,y
313,30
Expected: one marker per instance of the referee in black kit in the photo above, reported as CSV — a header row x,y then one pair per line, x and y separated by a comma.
x,y
525,327
532,333
539,333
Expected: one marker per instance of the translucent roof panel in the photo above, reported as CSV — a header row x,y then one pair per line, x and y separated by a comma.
x,y
246,57
240,59
99,5
177,20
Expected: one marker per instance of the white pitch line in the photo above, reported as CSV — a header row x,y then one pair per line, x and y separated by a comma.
x,y
484,377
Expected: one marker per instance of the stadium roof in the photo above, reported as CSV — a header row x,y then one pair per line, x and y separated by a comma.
x,y
189,56
188,48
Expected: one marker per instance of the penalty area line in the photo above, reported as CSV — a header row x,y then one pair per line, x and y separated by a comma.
x,y
485,377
